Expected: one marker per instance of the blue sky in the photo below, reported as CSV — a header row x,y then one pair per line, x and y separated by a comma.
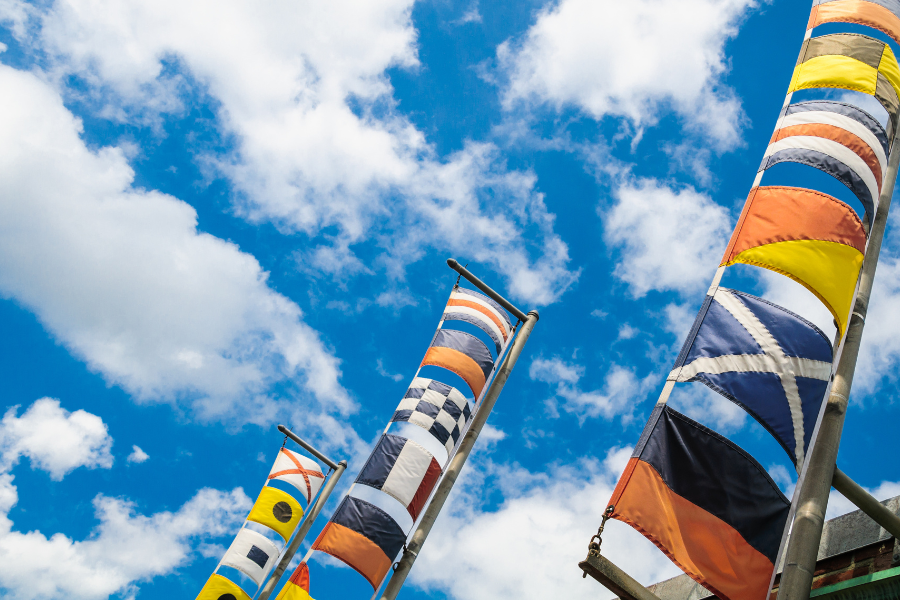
x,y
220,216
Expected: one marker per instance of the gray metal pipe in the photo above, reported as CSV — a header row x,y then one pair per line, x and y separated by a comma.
x,y
459,459
308,447
812,501
311,516
866,502
486,289
614,579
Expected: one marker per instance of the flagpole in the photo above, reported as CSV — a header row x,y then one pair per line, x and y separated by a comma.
x,y
468,441
812,502
311,515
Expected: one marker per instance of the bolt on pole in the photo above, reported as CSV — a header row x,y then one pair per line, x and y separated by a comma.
x,y
806,534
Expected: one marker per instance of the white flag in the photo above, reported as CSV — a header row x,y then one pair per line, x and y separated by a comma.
x,y
301,472
251,553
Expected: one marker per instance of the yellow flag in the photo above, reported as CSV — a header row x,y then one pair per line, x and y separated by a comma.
x,y
276,510
219,588
297,587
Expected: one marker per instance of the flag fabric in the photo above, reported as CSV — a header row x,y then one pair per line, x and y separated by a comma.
x,y
364,537
436,407
251,553
297,587
276,510
705,503
461,353
811,237
479,310
771,362
403,470
853,62
301,472
837,144
883,15
220,588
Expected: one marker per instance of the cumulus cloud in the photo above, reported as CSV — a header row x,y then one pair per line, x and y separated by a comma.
x,y
54,439
137,455
621,390
320,147
493,551
122,277
126,547
631,59
666,238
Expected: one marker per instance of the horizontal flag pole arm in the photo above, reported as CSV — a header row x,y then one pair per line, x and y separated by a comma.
x,y
487,290
311,516
615,579
309,448
866,502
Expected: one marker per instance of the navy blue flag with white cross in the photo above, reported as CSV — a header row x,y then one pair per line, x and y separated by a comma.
x,y
767,360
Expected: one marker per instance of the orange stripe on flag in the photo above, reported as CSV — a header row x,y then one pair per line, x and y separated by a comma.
x,y
835,134
456,362
355,550
709,550
482,310
860,12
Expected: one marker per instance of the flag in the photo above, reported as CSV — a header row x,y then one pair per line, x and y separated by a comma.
x,y
766,359
436,407
364,537
883,15
251,553
705,503
276,510
811,237
219,588
297,587
301,472
403,470
479,310
853,62
836,144
463,354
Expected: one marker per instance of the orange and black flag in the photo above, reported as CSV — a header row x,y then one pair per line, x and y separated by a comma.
x,y
704,502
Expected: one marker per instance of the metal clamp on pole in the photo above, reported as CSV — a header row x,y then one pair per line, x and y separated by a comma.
x,y
311,514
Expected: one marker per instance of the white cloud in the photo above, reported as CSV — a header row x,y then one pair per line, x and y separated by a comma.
x,y
493,552
124,280
708,407
621,389
301,89
137,455
631,59
126,547
54,439
668,239
838,505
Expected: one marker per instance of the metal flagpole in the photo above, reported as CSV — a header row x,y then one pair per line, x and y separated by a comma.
x,y
311,515
468,441
806,533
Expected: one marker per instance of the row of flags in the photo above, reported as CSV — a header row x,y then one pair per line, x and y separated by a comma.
x,y
705,502
369,528
272,521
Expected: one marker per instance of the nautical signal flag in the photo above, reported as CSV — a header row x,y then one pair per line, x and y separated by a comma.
x,y
833,138
705,503
276,510
301,472
853,62
883,15
479,310
766,359
364,537
461,353
251,553
436,407
811,237
219,588
297,587
403,470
